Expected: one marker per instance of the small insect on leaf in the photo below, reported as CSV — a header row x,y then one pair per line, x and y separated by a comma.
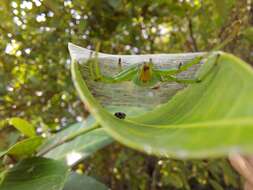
x,y
120,115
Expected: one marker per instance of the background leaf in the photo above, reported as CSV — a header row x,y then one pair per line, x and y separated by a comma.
x,y
35,173
223,8
248,34
215,185
2,153
79,148
23,126
25,147
79,182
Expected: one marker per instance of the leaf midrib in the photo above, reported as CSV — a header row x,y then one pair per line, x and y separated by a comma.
x,y
220,122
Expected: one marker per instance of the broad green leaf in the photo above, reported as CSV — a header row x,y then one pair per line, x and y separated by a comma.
x,y
25,147
79,182
80,147
211,118
23,126
35,174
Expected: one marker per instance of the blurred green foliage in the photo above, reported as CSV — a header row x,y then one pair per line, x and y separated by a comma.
x,y
35,81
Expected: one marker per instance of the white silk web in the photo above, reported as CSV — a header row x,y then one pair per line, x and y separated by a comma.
x,y
127,94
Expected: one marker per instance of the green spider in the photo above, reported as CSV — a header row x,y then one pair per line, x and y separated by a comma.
x,y
145,74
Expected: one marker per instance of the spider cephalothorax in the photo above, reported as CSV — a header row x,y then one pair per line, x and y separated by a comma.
x,y
146,75
146,72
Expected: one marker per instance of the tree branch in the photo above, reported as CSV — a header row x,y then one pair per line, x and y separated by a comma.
x,y
194,43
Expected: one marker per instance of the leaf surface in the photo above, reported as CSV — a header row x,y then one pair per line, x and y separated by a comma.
x,y
24,148
23,126
79,182
35,173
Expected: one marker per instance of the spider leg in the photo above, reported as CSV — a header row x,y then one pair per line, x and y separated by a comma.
x,y
120,64
189,64
97,69
211,66
195,80
125,75
90,66
181,67
94,69
183,81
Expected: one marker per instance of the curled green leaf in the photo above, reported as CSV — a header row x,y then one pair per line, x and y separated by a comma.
x,y
211,118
